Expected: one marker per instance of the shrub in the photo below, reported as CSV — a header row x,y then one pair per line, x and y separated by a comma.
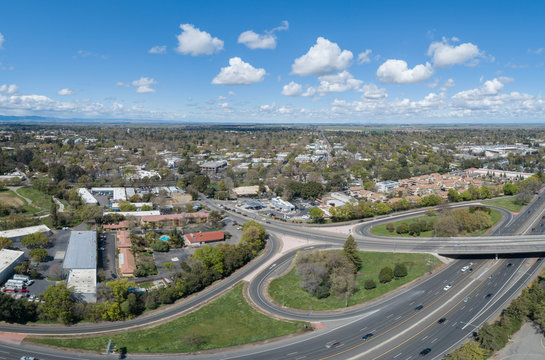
x,y
415,229
369,284
386,275
322,291
400,270
390,227
402,228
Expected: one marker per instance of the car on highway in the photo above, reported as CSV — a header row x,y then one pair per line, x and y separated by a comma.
x,y
489,295
442,320
447,287
419,307
509,265
367,337
28,358
467,299
332,344
465,268
470,269
425,352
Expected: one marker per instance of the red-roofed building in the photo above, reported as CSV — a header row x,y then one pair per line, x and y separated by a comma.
x,y
123,239
126,262
201,238
176,219
123,225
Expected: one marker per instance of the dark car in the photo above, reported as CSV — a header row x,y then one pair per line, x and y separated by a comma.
x,y
510,264
425,352
367,337
442,320
489,295
419,307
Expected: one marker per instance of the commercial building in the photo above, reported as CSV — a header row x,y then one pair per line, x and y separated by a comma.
x,y
18,234
202,238
9,259
116,193
87,197
283,205
80,264
385,186
177,219
138,205
133,213
213,167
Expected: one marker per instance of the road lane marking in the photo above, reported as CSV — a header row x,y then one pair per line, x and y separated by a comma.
x,y
397,355
402,322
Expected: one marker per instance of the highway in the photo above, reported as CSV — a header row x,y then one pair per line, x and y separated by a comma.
x,y
393,320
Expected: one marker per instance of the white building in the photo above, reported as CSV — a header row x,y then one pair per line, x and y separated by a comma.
x,y
87,197
116,193
9,259
283,205
18,234
385,186
80,264
133,213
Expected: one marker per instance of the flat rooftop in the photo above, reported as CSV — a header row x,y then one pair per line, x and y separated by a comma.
x,y
82,250
84,282
24,231
7,257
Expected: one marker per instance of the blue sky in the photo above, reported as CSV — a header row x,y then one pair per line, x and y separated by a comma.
x,y
283,61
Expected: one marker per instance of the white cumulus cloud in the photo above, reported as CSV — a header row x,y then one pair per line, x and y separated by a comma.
x,y
65,91
158,49
239,73
363,58
267,40
444,54
196,42
9,89
322,58
397,72
292,89
340,82
143,84
372,92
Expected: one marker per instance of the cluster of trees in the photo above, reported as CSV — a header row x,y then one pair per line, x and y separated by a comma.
x,y
17,310
461,221
492,337
325,273
294,189
414,228
330,273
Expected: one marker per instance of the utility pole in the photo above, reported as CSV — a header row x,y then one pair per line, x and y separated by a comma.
x,y
346,299
283,297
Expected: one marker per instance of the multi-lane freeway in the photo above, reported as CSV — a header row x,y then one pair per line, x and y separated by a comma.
x,y
401,328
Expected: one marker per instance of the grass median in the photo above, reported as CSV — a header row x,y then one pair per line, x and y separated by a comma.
x,y
225,322
381,229
287,290
506,203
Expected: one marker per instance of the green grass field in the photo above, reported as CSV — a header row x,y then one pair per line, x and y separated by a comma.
x,y
380,229
227,321
506,203
39,199
287,287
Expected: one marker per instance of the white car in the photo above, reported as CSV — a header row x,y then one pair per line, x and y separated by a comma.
x,y
465,268
447,287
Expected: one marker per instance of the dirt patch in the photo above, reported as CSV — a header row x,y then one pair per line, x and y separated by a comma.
x,y
10,200
180,198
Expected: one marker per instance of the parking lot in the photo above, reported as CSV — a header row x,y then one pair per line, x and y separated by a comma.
x,y
106,255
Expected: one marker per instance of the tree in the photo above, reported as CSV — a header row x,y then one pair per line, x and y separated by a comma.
x,y
5,242
382,209
57,304
402,228
468,351
415,228
35,240
510,189
38,255
53,214
386,275
127,206
159,245
316,214
253,236
390,227
454,196
369,284
211,257
400,270
312,190
350,250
